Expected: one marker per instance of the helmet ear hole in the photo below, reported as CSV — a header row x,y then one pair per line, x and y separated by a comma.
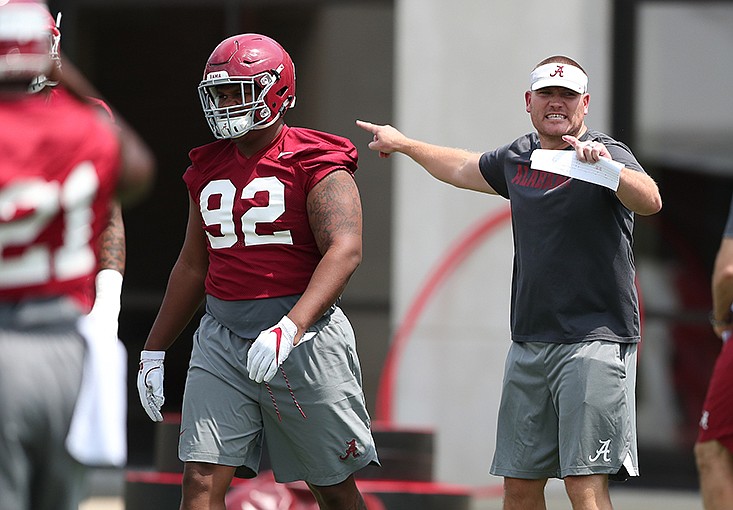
x,y
287,102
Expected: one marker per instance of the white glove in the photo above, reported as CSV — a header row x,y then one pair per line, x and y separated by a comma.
x,y
270,349
150,383
106,309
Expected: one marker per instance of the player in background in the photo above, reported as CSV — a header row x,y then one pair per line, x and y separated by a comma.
x,y
273,236
108,280
60,167
714,446
567,405
97,435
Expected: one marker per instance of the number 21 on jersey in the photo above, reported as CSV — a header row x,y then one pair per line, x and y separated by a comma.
x,y
28,207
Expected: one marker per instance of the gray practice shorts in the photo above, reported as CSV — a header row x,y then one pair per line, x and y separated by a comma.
x,y
40,373
313,412
567,409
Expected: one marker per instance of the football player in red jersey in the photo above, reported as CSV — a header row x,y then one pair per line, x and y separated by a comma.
x,y
112,248
714,445
60,167
98,432
273,236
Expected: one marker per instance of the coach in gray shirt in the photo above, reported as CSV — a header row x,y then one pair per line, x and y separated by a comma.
x,y
567,409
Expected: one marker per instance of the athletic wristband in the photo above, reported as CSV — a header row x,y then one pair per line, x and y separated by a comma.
x,y
152,355
108,284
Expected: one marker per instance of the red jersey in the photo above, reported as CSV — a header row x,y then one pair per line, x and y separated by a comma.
x,y
59,165
254,213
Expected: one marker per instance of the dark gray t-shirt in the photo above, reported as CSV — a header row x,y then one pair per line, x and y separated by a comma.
x,y
573,276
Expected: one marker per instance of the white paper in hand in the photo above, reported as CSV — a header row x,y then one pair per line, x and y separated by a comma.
x,y
605,172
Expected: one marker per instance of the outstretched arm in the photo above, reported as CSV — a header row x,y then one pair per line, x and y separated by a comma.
x,y
457,167
636,190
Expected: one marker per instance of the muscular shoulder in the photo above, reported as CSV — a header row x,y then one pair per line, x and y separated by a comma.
x,y
313,150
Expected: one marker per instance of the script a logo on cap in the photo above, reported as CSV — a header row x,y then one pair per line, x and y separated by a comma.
x,y
557,72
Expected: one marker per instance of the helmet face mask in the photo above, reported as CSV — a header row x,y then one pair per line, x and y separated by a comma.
x,y
232,120
249,82
41,81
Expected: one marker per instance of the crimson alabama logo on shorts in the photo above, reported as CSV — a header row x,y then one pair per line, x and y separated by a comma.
x,y
350,450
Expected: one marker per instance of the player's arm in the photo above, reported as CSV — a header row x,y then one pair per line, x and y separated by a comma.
x,y
112,247
638,192
183,296
457,167
137,167
722,287
137,162
335,217
185,290
111,268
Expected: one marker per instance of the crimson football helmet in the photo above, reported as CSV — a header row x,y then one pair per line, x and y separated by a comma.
x,y
265,75
25,48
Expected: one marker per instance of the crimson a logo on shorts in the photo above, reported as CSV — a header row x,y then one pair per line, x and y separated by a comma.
x,y
351,450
